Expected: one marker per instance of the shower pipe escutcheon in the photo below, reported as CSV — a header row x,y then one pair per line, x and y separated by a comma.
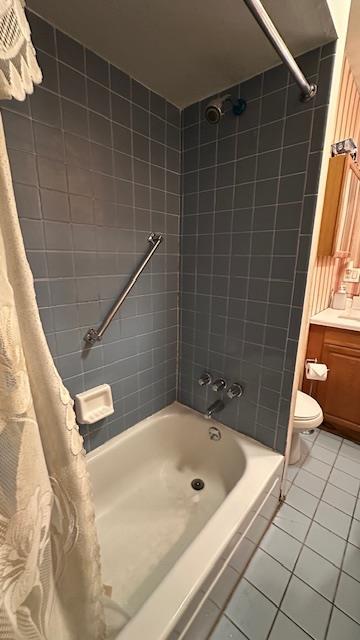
x,y
93,335
235,390
308,90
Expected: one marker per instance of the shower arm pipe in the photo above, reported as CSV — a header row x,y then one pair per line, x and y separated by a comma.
x,y
93,335
308,90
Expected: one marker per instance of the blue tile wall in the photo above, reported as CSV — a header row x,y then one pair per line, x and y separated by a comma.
x,y
249,193
95,159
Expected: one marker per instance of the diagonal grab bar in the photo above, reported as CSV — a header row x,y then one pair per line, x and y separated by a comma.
x,y
93,335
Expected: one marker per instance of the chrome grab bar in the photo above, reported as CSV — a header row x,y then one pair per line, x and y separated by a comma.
x,y
93,335
308,91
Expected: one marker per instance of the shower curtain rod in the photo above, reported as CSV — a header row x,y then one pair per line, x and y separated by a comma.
x,y
308,91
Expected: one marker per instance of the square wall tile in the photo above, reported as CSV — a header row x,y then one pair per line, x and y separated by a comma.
x,y
45,107
42,32
18,131
70,51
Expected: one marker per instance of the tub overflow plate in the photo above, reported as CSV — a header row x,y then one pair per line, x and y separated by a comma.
x,y
197,484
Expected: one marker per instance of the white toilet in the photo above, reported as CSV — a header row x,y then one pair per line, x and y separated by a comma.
x,y
308,415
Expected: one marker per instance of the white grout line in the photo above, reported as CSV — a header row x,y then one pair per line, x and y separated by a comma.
x,y
303,545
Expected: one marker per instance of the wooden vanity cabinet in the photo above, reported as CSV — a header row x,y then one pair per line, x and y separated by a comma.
x,y
339,395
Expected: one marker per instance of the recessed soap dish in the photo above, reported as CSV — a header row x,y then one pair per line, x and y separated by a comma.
x,y
94,404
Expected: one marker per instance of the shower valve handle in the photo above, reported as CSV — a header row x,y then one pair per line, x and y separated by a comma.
x,y
219,385
205,379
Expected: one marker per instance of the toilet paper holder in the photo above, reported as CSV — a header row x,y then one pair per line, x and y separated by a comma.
x,y
312,360
309,361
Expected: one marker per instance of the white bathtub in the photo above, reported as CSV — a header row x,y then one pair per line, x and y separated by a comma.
x,y
159,537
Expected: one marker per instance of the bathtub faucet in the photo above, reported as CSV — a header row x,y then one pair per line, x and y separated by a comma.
x,y
215,407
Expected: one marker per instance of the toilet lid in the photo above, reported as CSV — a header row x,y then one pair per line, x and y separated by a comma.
x,y
306,407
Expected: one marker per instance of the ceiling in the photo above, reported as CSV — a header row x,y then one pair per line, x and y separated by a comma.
x,y
186,50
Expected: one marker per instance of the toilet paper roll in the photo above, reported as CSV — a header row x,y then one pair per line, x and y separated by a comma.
x,y
316,371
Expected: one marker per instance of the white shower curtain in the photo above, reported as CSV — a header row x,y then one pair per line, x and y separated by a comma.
x,y
50,579
50,583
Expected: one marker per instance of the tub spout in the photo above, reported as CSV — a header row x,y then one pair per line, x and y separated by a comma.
x,y
215,407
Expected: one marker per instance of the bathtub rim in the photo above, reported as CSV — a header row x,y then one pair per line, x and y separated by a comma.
x,y
176,408
164,607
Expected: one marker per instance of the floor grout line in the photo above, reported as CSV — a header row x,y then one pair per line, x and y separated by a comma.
x,y
302,547
303,544
342,564
326,484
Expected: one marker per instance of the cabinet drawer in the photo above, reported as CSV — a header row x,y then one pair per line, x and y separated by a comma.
x,y
342,337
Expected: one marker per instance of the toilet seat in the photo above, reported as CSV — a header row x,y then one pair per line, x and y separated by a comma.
x,y
306,407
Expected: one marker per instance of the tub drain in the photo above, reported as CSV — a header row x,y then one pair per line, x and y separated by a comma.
x,y
197,484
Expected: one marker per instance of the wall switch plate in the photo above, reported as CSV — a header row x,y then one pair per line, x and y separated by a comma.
x,y
344,146
352,275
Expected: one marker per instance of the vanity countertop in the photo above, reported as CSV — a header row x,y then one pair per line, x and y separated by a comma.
x,y
340,319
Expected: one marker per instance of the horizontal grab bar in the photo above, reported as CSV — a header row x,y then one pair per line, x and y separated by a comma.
x,y
93,335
